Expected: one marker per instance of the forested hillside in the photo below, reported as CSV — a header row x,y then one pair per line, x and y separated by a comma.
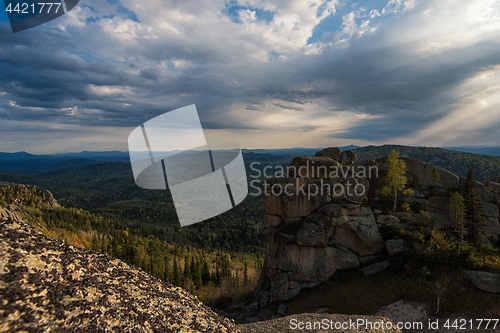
x,y
109,189
204,272
455,161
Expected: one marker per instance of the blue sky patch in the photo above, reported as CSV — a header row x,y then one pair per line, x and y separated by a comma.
x,y
232,10
333,23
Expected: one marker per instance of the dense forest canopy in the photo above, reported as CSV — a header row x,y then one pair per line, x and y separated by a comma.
x,y
455,161
109,189
206,272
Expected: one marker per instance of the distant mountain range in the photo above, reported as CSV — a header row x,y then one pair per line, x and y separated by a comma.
x,y
491,151
23,162
106,156
300,151
26,163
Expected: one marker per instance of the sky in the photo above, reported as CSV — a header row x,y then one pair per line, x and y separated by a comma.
x,y
263,74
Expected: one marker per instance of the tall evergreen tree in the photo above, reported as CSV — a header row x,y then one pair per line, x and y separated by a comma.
x,y
245,274
457,212
435,175
474,211
187,267
166,272
205,272
175,273
196,273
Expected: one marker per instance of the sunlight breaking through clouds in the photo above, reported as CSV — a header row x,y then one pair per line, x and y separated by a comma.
x,y
416,71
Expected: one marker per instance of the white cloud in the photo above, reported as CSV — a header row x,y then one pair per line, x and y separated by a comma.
x,y
415,61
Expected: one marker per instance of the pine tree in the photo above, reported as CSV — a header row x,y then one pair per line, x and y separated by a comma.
x,y
245,274
457,211
187,267
166,272
94,246
474,211
435,175
395,179
217,277
197,273
175,273
205,272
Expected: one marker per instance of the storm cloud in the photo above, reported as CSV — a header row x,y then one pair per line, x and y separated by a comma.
x,y
262,73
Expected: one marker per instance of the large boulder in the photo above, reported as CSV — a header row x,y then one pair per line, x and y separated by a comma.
x,y
290,198
300,205
314,167
272,221
419,173
336,258
336,154
279,287
273,204
485,281
311,234
492,226
395,246
486,194
387,219
361,237
329,215
375,268
331,152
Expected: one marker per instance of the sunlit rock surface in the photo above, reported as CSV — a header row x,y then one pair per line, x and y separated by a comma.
x,y
48,286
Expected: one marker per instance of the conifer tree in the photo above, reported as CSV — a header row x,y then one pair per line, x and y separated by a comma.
x,y
166,272
474,211
245,274
187,267
457,211
435,175
175,273
205,272
197,274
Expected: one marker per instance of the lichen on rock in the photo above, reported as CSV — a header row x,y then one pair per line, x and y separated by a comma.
x,y
48,286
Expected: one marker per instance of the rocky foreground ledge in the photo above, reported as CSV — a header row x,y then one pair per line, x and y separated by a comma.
x,y
48,286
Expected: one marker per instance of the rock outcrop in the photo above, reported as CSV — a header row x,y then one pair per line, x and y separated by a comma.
x,y
343,157
319,219
489,282
48,286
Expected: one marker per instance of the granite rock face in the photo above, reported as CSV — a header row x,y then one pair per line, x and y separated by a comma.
x,y
485,281
395,246
312,230
48,286
343,157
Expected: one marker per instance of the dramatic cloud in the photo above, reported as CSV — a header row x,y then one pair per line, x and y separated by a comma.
x,y
262,73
